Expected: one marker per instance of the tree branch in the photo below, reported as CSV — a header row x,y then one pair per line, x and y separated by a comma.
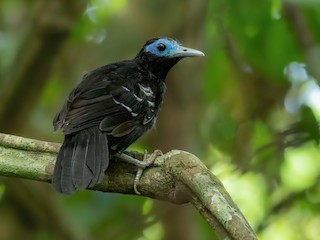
x,y
178,177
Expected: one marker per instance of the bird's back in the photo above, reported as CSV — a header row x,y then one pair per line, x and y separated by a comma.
x,y
122,99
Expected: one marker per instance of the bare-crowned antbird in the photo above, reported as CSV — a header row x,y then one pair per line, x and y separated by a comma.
x,y
111,108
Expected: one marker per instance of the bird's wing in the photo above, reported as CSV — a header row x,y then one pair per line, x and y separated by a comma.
x,y
135,109
110,100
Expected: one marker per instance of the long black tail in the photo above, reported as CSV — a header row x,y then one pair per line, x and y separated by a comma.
x,y
82,161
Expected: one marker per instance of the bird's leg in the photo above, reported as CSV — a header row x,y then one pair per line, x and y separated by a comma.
x,y
147,161
126,158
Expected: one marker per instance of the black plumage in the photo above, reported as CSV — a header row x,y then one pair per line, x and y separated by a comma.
x,y
111,108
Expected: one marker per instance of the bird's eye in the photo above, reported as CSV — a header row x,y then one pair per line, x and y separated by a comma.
x,y
161,47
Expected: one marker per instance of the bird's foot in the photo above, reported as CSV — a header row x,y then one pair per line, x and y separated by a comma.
x,y
148,159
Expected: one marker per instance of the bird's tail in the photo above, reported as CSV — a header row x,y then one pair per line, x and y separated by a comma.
x,y
82,161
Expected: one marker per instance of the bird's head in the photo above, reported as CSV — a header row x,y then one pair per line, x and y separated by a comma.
x,y
159,55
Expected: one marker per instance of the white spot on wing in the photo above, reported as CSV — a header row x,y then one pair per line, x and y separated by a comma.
x,y
146,120
125,106
125,88
138,98
146,90
151,104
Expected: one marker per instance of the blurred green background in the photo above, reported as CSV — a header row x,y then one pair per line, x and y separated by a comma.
x,y
231,108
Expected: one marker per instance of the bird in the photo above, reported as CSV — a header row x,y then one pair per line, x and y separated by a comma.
x,y
109,109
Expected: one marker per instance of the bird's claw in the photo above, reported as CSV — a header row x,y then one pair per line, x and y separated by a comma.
x,y
147,160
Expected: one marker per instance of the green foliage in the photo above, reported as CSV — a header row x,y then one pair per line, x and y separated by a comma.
x,y
2,190
154,232
302,163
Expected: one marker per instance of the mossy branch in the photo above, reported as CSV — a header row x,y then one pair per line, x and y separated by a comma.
x,y
177,176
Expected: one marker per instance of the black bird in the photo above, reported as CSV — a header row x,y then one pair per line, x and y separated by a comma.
x,y
111,108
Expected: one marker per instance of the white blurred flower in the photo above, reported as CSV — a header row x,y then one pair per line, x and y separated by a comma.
x,y
304,89
296,72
